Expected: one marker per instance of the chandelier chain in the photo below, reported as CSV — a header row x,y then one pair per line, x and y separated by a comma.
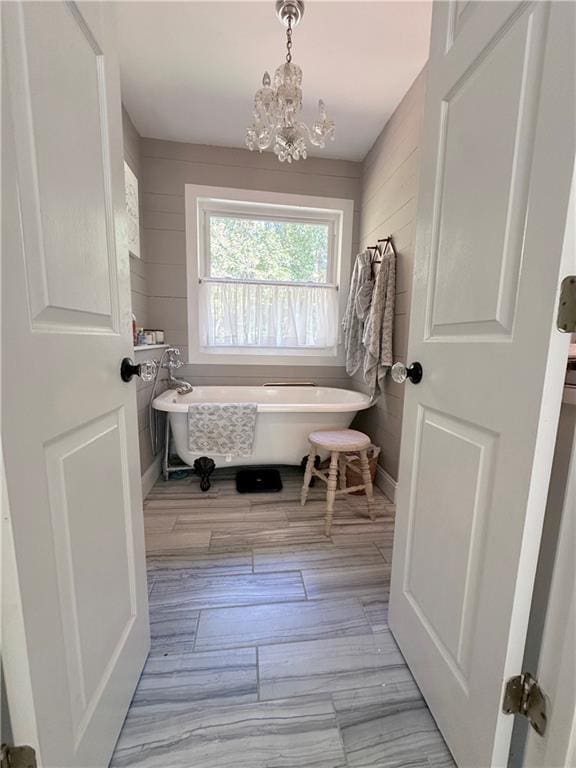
x,y
289,40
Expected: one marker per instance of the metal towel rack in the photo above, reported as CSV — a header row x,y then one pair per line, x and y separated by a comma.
x,y
378,248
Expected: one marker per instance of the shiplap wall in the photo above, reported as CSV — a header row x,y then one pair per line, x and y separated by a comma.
x,y
139,295
388,207
138,271
166,167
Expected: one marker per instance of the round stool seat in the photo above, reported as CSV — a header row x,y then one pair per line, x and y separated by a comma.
x,y
340,440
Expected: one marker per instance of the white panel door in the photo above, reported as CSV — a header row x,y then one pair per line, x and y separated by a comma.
x,y
478,431
69,423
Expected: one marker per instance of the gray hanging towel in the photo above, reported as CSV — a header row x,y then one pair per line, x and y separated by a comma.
x,y
222,429
357,310
378,329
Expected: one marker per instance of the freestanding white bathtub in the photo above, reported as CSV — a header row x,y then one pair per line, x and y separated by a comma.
x,y
286,415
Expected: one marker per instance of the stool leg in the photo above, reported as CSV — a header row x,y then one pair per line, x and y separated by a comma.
x,y
308,475
331,494
342,471
367,480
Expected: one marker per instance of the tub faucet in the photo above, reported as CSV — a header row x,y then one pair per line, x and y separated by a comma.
x,y
172,363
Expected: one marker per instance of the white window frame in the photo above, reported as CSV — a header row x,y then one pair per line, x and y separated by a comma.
x,y
200,200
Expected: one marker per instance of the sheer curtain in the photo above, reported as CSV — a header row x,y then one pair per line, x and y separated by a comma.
x,y
262,315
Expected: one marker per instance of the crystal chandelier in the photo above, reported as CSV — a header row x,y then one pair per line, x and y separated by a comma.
x,y
277,107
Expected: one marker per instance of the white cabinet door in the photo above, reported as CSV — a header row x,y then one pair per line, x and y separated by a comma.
x,y
69,423
478,431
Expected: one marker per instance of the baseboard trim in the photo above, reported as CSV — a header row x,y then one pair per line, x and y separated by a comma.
x,y
386,483
151,475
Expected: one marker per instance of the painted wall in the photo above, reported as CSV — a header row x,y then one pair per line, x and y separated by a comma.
x,y
139,295
389,197
166,168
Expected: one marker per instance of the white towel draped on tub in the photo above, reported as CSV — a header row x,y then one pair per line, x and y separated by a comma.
x,y
222,429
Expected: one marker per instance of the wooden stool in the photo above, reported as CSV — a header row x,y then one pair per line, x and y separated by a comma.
x,y
338,443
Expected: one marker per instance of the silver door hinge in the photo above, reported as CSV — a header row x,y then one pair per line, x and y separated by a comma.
x,y
523,696
17,757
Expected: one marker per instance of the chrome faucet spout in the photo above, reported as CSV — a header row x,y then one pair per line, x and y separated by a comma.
x,y
182,387
173,362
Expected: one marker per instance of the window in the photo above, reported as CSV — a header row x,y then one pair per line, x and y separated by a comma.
x,y
265,275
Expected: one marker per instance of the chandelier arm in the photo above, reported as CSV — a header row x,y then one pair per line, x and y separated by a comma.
x,y
316,141
305,129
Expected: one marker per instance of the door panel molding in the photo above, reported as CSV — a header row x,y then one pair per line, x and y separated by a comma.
x,y
77,462
475,472
56,267
458,265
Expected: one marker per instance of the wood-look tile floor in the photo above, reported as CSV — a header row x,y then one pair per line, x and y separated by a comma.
x,y
270,643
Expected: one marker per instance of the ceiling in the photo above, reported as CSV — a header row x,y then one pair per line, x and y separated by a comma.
x,y
190,69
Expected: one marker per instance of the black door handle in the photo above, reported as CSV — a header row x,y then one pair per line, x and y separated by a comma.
x,y
414,373
146,369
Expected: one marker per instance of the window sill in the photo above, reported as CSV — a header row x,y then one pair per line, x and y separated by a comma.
x,y
268,358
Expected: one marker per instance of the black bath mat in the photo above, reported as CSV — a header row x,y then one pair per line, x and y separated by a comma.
x,y
258,481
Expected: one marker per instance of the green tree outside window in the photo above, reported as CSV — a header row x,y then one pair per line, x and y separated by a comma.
x,y
263,249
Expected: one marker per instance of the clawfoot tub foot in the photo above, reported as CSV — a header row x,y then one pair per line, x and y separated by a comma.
x,y
204,467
